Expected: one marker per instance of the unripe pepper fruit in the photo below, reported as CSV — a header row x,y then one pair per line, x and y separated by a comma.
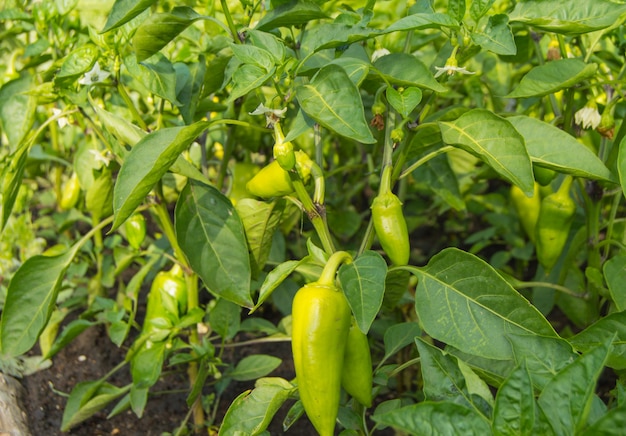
x,y
356,376
70,193
553,225
527,208
320,326
273,181
135,228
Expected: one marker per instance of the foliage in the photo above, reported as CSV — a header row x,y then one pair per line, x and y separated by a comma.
x,y
168,110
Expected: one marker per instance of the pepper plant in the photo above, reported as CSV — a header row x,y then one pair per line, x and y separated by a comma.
x,y
443,179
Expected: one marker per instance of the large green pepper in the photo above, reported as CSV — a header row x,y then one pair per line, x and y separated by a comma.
x,y
553,225
527,208
320,325
356,376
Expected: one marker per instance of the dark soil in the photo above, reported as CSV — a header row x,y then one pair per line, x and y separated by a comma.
x,y
91,355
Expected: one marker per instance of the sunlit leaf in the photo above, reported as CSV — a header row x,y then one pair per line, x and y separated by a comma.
x,y
552,77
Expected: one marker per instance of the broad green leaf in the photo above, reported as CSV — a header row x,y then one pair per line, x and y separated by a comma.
x,y
31,298
396,285
457,9
159,29
210,232
246,78
612,423
462,301
146,163
333,35
599,332
494,140
497,36
421,21
615,275
356,69
69,332
331,99
156,75
399,336
566,400
146,364
441,418
11,178
293,13
492,371
544,356
443,379
225,318
406,70
404,100
76,64
249,54
254,367
88,398
252,411
363,282
274,278
269,43
551,147
125,10
568,17
478,8
260,220
514,411
552,77
17,111
621,164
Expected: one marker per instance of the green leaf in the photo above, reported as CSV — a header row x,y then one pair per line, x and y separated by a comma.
x,y
249,54
252,411
331,99
146,364
333,35
17,111
274,278
99,196
569,17
156,75
479,8
405,100
356,69
406,70
159,29
599,332
67,335
212,236
421,21
514,411
363,282
551,147
246,78
125,10
399,336
88,398
457,9
10,181
269,43
552,77
77,63
254,367
146,163
31,298
494,140
462,301
443,379
225,318
544,356
491,370
441,418
293,13
615,274
612,423
566,400
621,164
260,220
497,36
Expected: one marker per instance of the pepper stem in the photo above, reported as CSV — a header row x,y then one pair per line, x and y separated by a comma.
x,y
332,265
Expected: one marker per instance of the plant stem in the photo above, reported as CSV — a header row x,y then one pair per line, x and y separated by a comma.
x,y
229,20
327,278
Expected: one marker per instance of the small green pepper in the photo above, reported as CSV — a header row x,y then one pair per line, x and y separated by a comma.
x,y
555,219
527,208
273,181
70,193
135,229
356,376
